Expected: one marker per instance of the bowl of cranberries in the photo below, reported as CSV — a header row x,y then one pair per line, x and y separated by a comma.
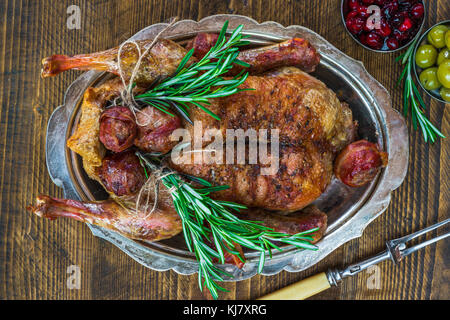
x,y
383,25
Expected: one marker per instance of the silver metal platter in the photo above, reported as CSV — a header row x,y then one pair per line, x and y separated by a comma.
x,y
349,210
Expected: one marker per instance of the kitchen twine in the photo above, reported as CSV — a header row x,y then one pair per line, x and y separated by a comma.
x,y
127,93
153,182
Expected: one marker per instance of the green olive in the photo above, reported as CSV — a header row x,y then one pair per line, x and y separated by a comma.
x,y
429,80
447,39
443,73
444,54
445,94
436,36
426,56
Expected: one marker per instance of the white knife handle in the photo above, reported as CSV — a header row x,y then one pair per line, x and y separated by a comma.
x,y
301,290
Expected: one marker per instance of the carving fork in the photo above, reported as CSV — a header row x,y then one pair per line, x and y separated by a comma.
x,y
396,251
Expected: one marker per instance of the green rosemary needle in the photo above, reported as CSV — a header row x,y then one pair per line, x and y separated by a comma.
x,y
210,228
412,98
195,84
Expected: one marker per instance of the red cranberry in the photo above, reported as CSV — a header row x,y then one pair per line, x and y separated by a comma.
x,y
380,2
397,19
368,2
355,24
404,13
391,7
353,4
385,30
406,25
417,11
362,11
400,36
392,43
351,14
374,40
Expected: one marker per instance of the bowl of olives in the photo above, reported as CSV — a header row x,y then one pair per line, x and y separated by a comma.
x,y
383,25
432,61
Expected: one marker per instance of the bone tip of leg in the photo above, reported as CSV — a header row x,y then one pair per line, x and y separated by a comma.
x,y
51,65
37,210
41,206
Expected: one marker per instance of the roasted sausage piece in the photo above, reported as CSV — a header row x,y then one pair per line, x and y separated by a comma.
x,y
117,128
359,163
306,219
154,130
202,43
122,173
295,52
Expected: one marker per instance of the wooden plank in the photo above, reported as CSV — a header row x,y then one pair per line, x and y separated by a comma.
x,y
36,253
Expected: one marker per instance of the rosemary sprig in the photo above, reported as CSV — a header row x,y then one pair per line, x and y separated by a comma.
x,y
202,80
207,221
413,99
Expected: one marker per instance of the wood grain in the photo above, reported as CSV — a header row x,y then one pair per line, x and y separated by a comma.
x,y
35,253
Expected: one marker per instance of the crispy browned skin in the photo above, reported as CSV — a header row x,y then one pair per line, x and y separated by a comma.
x,y
162,60
304,173
299,105
294,52
161,224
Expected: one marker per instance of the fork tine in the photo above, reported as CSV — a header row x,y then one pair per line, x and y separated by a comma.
x,y
421,232
410,250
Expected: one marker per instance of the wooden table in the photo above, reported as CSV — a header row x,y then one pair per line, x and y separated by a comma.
x,y
35,253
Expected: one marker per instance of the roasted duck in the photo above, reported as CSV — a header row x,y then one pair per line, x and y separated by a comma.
x,y
314,126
